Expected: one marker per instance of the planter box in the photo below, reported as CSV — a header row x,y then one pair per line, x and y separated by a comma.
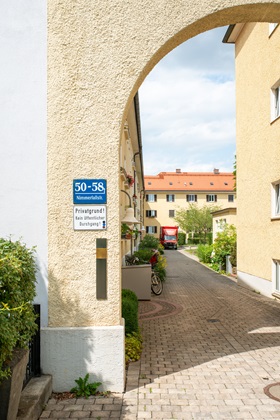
x,y
138,279
10,389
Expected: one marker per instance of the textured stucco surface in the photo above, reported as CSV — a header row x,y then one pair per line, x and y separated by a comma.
x,y
98,55
68,353
258,150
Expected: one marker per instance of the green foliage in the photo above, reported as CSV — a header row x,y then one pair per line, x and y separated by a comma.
x,y
196,220
181,238
130,311
149,241
224,244
84,388
233,256
17,291
144,255
204,253
160,267
133,347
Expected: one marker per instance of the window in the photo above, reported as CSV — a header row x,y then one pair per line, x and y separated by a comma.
x,y
230,198
221,224
171,213
211,198
151,198
272,27
151,229
151,213
275,97
170,198
276,275
276,199
191,198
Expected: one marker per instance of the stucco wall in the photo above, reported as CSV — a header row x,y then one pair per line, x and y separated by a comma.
x,y
99,53
257,70
23,131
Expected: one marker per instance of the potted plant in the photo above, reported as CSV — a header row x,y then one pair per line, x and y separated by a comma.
x,y
126,231
17,320
129,180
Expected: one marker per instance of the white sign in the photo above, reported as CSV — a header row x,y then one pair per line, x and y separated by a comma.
x,y
89,217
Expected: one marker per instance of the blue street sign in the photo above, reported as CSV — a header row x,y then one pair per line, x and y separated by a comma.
x,y
89,191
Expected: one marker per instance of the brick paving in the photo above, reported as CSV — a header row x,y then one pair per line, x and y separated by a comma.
x,y
210,349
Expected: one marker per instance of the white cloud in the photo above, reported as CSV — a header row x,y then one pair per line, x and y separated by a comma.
x,y
187,108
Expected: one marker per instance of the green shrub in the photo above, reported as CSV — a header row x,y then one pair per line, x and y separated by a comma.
x,y
127,293
130,311
204,253
181,238
17,291
149,241
224,245
160,267
233,256
133,347
143,255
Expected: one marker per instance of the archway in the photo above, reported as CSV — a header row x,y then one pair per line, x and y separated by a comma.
x,y
98,58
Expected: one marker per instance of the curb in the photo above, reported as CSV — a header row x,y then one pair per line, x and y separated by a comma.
x,y
34,398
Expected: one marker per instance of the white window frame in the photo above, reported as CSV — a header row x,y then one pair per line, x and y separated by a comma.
x,y
151,230
275,101
170,198
151,213
191,198
276,276
208,196
275,200
151,198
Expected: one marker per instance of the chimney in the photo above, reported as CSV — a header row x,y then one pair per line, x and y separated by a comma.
x,y
216,171
178,171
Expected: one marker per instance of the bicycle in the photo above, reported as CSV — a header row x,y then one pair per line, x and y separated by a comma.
x,y
156,283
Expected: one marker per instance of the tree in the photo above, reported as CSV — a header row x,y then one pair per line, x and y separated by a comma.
x,y
197,220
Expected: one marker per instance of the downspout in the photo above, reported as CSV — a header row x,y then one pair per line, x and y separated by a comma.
x,y
138,126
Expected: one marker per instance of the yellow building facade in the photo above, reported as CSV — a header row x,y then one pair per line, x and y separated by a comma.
x,y
257,62
168,192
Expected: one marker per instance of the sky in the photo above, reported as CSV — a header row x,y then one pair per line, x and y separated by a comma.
x,y
187,108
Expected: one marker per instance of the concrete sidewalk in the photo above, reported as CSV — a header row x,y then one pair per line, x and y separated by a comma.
x,y
210,350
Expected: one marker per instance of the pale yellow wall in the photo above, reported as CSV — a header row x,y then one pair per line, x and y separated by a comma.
x,y
258,148
163,207
99,53
131,164
227,216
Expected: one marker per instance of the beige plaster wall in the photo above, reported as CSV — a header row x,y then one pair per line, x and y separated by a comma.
x,y
99,52
258,148
162,206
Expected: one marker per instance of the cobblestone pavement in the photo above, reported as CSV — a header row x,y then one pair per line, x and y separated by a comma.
x,y
210,349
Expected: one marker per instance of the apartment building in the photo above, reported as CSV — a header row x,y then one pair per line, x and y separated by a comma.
x,y
257,62
169,191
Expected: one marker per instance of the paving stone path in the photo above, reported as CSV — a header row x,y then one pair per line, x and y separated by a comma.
x,y
211,348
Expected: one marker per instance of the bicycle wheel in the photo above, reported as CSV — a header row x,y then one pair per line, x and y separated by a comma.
x,y
156,284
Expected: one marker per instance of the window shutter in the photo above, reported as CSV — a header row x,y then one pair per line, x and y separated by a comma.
x,y
155,229
207,197
147,197
187,197
195,198
155,197
215,197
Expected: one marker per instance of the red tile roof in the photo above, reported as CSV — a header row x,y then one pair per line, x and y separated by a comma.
x,y
190,181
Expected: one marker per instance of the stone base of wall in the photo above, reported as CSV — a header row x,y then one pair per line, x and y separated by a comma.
x,y
258,284
70,353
